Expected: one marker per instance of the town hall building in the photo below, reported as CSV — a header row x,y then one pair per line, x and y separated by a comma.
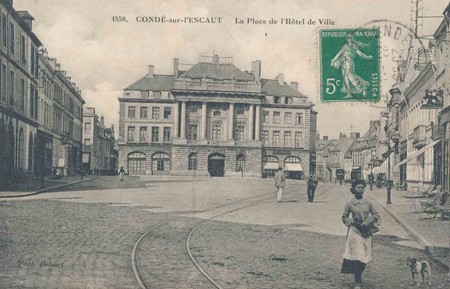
x,y
215,119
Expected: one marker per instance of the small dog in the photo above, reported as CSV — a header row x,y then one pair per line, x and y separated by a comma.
x,y
419,267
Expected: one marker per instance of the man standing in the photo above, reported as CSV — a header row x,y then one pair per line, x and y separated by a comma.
x,y
280,182
121,173
311,187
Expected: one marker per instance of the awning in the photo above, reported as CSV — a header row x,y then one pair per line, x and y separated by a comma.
x,y
293,167
418,153
271,166
352,168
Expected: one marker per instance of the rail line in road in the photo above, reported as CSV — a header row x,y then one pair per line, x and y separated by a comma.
x,y
235,206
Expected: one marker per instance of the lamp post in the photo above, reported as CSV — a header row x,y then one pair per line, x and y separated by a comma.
x,y
389,185
372,164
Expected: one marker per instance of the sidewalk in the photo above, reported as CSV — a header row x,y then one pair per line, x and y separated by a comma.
x,y
431,233
35,186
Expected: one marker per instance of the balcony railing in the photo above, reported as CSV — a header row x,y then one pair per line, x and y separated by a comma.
x,y
420,138
216,86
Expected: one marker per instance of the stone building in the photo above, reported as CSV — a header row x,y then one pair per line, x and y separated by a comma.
x,y
98,145
215,119
18,94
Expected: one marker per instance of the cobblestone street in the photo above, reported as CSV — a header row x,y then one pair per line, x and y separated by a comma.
x,y
83,237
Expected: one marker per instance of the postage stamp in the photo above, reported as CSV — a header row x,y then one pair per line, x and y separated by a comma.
x,y
349,65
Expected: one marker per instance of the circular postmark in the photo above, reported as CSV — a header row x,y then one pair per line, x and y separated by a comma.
x,y
401,50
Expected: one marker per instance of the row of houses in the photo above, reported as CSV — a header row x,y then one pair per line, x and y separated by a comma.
x,y
212,118
410,142
41,109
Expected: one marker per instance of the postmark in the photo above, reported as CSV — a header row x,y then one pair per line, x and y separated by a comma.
x,y
349,65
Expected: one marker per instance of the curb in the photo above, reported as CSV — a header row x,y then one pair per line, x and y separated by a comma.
x,y
429,249
47,189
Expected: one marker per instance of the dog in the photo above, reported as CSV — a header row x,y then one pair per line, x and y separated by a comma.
x,y
419,267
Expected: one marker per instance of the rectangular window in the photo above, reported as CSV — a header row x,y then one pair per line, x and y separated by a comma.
x,y
265,137
131,112
193,108
276,138
143,112
276,117
167,112
23,47
287,118
166,134
239,133
144,94
287,138
217,132
87,127
11,86
265,116
193,131
155,134
143,134
34,61
155,112
22,94
11,38
240,109
298,139
131,133
4,31
299,118
3,81
87,141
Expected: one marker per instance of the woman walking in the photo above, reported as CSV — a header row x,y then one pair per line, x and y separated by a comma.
x,y
362,223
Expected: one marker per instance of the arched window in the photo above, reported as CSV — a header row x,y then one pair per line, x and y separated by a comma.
x,y
160,163
136,163
20,159
240,163
192,162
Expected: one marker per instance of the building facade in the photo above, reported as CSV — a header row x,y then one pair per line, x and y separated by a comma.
x,y
99,155
214,119
18,94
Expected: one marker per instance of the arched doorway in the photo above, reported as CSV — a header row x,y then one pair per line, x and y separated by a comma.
x,y
136,163
270,166
293,167
216,165
160,163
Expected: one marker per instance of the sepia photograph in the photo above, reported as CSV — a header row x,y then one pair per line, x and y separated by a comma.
x,y
195,144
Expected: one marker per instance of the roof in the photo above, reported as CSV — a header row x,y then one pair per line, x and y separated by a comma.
x,y
272,87
216,71
343,144
155,83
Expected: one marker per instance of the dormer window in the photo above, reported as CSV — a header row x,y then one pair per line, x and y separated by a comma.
x,y
276,99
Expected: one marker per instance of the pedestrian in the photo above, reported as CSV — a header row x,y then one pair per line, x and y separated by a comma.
x,y
311,187
121,173
361,225
280,182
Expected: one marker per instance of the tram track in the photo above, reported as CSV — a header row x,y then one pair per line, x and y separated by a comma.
x,y
214,212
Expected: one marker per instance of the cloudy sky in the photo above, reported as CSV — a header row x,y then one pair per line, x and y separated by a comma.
x,y
103,57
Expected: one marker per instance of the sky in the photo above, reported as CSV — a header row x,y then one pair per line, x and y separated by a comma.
x,y
104,56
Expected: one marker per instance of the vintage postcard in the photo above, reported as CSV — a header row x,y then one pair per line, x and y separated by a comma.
x,y
224,144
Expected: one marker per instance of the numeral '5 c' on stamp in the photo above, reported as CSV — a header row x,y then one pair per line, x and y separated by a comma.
x,y
349,65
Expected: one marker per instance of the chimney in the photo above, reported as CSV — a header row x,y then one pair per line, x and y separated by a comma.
x,y
256,69
294,85
150,71
102,120
325,137
354,135
215,59
280,79
175,67
26,18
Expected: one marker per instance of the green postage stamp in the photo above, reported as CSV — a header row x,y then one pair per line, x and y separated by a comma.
x,y
349,65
